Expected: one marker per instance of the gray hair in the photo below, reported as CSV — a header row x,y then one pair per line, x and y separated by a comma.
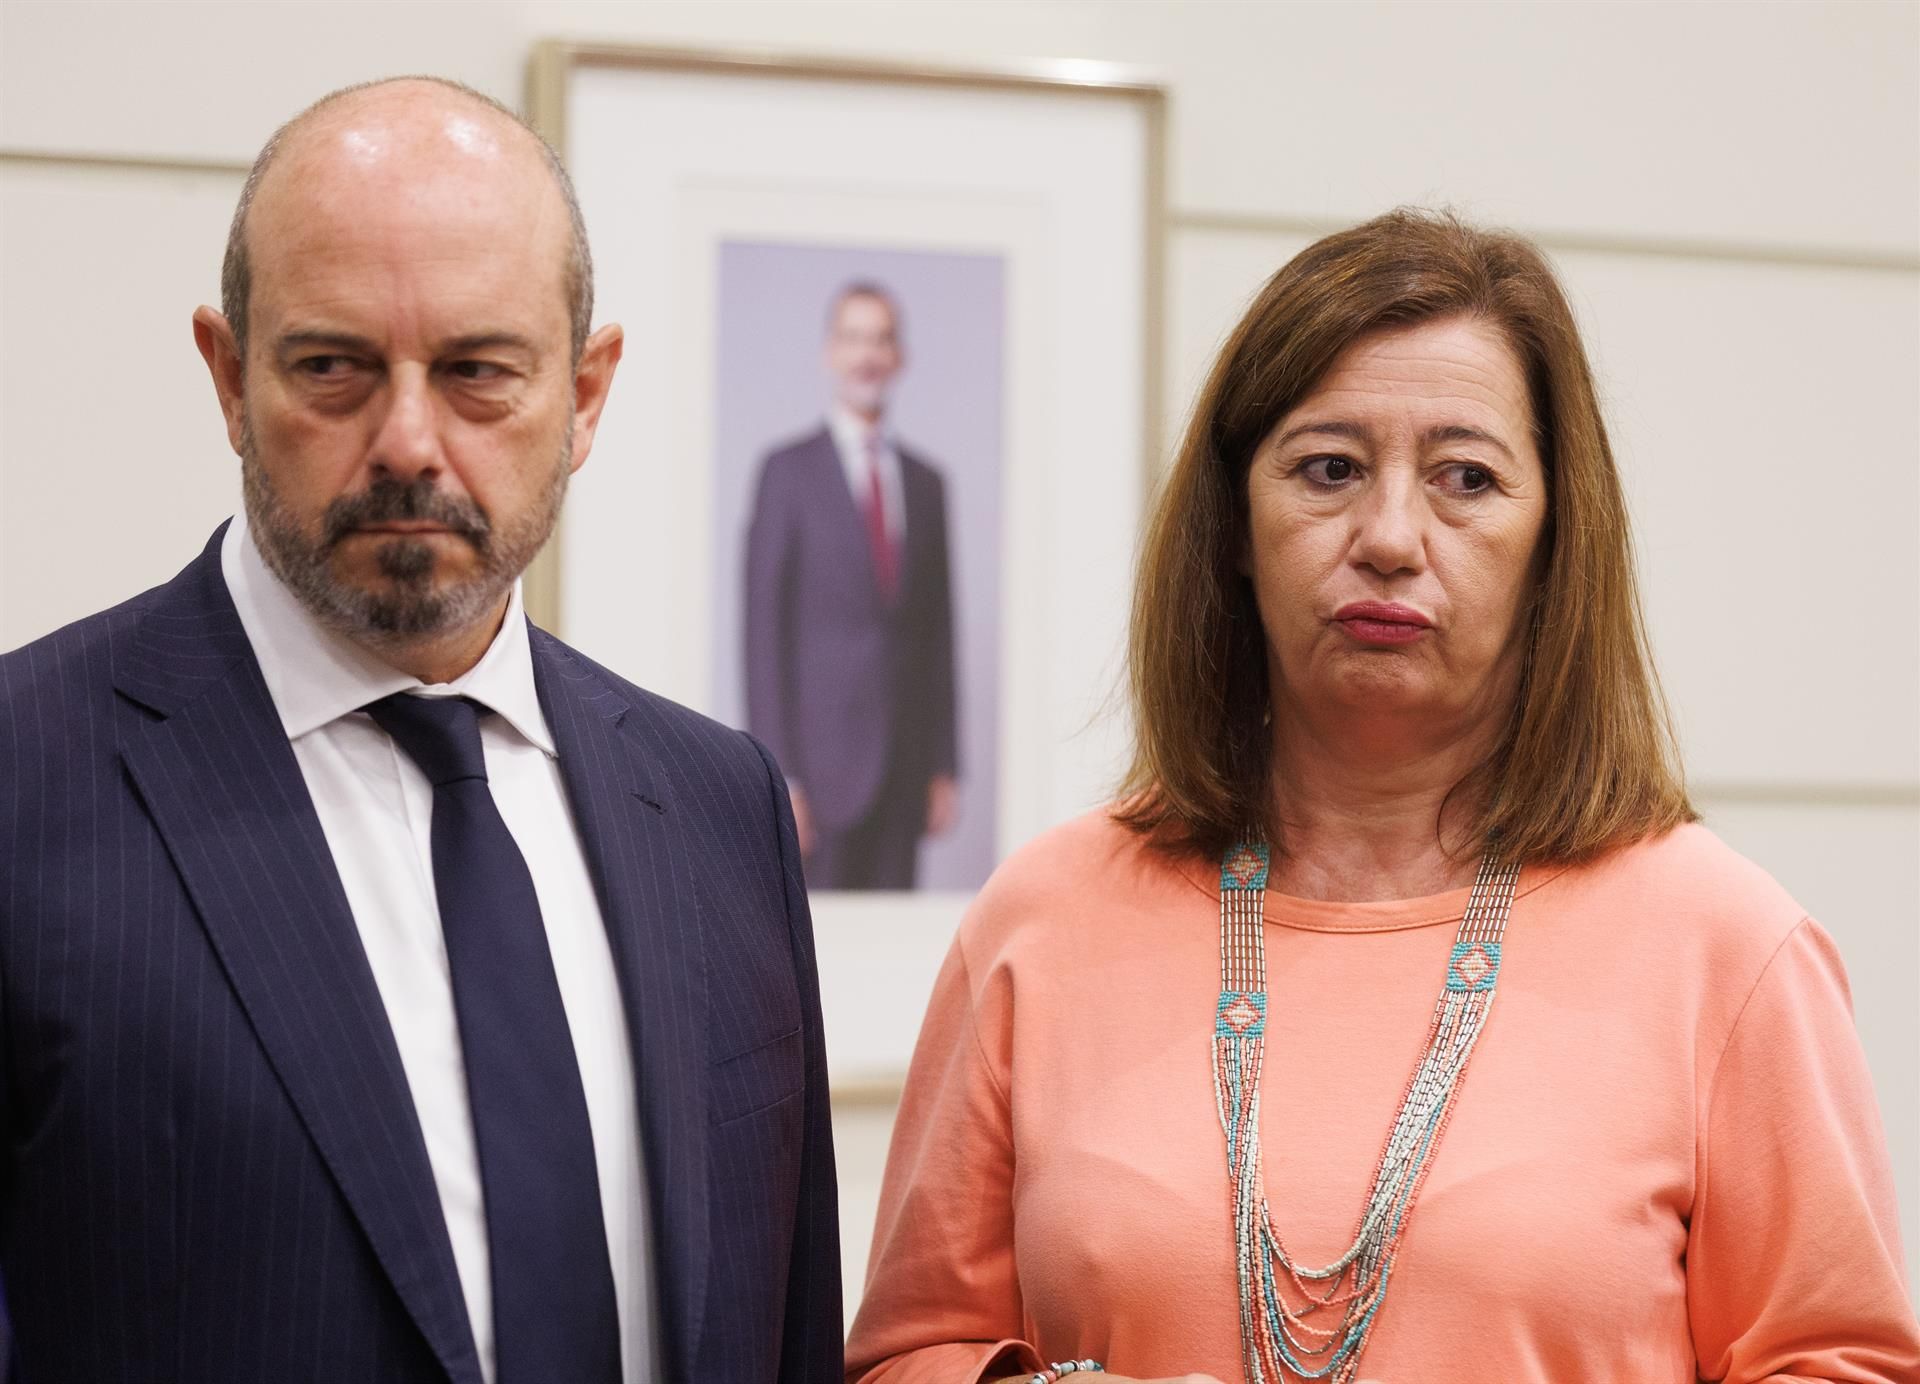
x,y
864,288
236,271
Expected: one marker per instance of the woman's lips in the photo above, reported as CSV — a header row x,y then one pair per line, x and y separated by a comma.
x,y
1380,622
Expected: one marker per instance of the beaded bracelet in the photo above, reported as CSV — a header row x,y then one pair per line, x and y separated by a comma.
x,y
1052,1374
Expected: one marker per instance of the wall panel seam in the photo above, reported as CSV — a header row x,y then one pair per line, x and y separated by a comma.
x,y
1200,222
123,163
1562,241
1803,793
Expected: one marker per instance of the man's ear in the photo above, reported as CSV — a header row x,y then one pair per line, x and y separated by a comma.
x,y
592,378
214,336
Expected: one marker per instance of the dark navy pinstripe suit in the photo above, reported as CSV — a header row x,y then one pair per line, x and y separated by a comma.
x,y
212,1167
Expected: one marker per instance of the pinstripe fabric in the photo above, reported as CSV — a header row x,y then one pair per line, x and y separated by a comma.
x,y
212,1169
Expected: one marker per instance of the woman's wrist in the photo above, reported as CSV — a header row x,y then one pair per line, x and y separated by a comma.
x,y
1061,1369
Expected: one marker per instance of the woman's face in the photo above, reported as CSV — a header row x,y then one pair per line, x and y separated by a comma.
x,y
1395,514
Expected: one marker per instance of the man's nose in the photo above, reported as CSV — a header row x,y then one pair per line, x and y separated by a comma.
x,y
407,444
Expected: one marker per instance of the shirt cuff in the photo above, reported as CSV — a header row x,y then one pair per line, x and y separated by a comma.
x,y
1005,1358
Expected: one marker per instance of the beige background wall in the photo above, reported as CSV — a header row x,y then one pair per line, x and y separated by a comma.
x,y
1733,193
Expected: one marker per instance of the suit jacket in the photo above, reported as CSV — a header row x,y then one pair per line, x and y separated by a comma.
x,y
845,687
210,1166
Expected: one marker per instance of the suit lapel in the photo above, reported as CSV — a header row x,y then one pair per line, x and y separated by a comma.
x,y
220,780
637,853
915,521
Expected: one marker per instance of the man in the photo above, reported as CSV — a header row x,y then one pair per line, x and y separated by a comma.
x,y
849,621
387,991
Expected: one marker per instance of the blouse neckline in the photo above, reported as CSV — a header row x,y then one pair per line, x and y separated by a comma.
x,y
1379,915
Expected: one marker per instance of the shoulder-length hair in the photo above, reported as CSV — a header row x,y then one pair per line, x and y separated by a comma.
x,y
1588,759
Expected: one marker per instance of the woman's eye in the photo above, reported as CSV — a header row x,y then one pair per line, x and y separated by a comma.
x,y
1471,478
1329,470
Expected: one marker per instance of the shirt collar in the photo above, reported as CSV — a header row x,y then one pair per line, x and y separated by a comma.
x,y
316,675
850,432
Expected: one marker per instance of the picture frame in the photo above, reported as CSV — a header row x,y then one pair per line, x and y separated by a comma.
x,y
1016,219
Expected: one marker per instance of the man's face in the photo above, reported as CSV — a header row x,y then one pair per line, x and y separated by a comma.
x,y
408,402
863,352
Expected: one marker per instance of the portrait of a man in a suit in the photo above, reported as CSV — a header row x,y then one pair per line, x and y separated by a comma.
x,y
849,628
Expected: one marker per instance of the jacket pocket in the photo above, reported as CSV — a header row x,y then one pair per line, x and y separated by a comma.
x,y
763,1075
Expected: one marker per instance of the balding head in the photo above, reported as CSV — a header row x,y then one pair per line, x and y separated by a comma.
x,y
404,364
395,127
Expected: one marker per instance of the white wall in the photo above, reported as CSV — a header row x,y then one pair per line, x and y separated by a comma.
x,y
1732,192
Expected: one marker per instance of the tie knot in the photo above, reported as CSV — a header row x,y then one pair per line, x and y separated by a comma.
x,y
439,734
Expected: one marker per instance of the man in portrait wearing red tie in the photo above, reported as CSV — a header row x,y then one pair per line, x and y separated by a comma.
x,y
849,620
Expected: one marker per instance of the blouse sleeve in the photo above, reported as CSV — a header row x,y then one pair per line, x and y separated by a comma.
x,y
942,1299
1793,1252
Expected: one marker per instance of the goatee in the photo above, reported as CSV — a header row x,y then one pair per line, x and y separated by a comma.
x,y
413,600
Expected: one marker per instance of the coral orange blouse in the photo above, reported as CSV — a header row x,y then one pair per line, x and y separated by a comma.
x,y
1665,1161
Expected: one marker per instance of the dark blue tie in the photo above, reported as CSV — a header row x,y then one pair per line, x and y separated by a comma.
x,y
554,1320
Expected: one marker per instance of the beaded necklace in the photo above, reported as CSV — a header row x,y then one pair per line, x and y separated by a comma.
x,y
1278,1340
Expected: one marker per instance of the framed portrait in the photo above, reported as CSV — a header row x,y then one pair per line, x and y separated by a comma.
x,y
870,479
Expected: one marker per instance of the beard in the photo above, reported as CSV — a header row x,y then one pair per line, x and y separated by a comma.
x,y
414,598
865,396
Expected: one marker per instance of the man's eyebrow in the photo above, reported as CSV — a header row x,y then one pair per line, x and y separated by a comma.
x,y
360,345
332,341
1460,432
486,341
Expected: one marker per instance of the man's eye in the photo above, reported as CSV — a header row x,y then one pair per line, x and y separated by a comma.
x,y
324,367
1328,470
477,371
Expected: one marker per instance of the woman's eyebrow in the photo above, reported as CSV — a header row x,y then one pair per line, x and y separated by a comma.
x,y
1333,427
1460,432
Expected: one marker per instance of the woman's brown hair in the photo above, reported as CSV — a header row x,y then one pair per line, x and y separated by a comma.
x,y
1588,760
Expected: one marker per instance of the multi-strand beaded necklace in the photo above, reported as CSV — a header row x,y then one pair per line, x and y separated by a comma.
x,y
1278,1296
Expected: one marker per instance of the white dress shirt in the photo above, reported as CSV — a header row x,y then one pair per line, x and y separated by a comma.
x,y
850,435
376,810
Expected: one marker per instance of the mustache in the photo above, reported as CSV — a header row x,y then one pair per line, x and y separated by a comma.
x,y
417,501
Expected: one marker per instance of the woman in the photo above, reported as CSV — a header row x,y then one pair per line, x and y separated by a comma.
x,y
1213,1085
